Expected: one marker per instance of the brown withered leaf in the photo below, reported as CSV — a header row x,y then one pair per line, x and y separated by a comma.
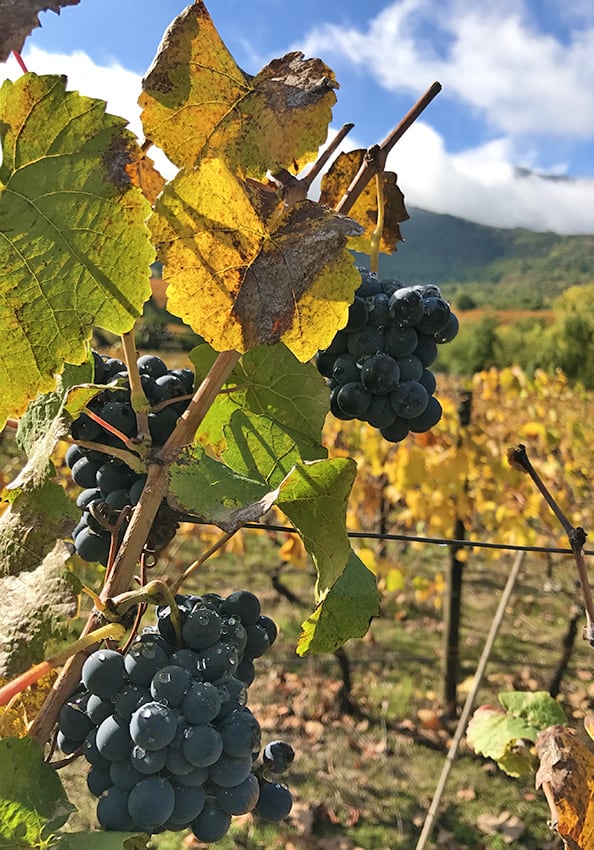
x,y
19,17
336,181
566,775
144,175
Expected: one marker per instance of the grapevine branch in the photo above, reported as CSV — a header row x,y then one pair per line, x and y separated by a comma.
x,y
134,540
375,158
518,458
138,399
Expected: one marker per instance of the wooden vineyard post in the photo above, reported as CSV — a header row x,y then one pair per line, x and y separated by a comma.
x,y
453,594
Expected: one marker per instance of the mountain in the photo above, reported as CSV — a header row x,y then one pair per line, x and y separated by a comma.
x,y
511,268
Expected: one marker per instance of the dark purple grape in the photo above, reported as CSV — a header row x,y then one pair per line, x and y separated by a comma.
x,y
426,350
436,314
397,431
357,315
378,311
430,417
380,412
411,368
379,374
399,342
370,284
448,333
409,399
427,379
84,472
151,365
345,369
353,399
365,343
406,307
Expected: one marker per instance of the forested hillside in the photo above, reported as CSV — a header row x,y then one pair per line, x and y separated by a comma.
x,y
494,266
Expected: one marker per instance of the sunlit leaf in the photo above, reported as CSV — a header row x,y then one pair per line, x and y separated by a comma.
x,y
243,271
499,732
345,611
335,183
75,250
209,489
197,102
314,497
270,381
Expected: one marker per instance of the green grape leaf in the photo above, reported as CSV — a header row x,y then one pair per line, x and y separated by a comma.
x,y
500,733
196,102
314,497
102,841
243,271
33,803
36,605
19,17
75,250
345,612
259,448
335,183
207,488
271,382
539,708
39,510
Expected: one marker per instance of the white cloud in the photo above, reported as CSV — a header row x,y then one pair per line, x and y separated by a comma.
x,y
480,183
489,56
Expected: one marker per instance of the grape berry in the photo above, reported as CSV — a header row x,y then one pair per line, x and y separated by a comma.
x,y
165,728
109,485
377,366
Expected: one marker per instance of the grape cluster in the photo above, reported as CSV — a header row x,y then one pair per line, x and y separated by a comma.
x,y
377,366
165,727
109,485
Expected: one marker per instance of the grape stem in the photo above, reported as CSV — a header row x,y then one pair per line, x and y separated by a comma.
x,y
21,62
295,189
376,236
156,593
374,161
131,459
138,400
223,539
34,673
138,448
137,532
518,459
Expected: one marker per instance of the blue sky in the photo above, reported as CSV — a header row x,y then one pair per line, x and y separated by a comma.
x,y
517,76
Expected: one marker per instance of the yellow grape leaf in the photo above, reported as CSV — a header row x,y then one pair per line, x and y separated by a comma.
x,y
197,102
243,271
566,775
336,181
